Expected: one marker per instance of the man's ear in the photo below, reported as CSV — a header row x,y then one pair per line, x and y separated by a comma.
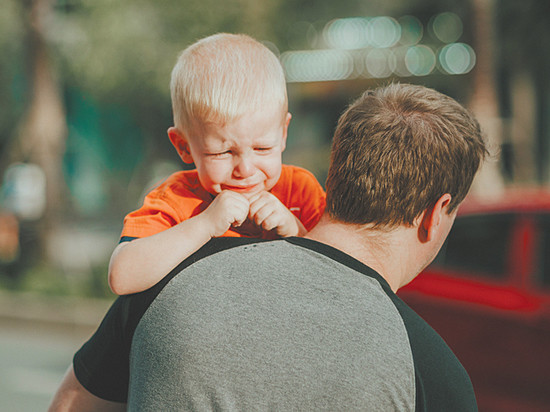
x,y
430,219
285,130
181,144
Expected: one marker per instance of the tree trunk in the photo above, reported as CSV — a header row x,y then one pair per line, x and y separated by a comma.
x,y
42,132
523,123
483,102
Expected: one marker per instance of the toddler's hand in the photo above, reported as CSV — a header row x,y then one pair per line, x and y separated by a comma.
x,y
226,210
269,213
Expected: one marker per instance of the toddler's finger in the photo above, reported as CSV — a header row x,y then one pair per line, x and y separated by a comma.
x,y
269,222
260,215
239,221
263,200
241,214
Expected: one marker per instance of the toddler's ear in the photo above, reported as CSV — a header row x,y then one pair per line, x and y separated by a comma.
x,y
285,128
180,144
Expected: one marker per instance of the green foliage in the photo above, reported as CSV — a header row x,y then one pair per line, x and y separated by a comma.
x,y
12,77
46,279
124,51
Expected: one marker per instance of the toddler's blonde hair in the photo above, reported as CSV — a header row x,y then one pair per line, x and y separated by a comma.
x,y
221,77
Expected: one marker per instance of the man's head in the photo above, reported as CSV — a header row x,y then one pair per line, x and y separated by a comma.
x,y
230,113
396,151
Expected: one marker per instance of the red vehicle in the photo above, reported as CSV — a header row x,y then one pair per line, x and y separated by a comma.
x,y
488,295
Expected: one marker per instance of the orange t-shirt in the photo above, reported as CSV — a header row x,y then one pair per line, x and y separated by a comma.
x,y
181,197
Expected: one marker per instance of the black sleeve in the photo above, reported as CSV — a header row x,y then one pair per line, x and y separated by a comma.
x,y
101,365
442,383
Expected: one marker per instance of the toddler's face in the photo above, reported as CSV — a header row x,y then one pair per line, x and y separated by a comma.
x,y
243,155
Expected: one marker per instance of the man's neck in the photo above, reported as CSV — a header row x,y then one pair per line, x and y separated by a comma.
x,y
385,251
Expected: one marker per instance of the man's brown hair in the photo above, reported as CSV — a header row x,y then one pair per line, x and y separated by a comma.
x,y
396,151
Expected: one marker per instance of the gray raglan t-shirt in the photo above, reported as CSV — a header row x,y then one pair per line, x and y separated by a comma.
x,y
282,325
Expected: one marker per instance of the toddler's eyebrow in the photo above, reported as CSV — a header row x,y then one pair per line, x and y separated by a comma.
x,y
266,140
216,144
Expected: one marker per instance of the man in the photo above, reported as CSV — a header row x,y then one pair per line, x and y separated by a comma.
x,y
307,323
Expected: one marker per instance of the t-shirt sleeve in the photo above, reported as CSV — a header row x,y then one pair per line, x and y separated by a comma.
x,y
442,383
101,365
308,195
155,215
177,199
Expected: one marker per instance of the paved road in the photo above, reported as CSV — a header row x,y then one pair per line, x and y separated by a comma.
x,y
33,361
35,353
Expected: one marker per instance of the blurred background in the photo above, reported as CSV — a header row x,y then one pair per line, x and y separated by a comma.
x,y
85,104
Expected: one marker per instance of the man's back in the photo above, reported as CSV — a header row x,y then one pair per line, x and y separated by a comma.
x,y
286,325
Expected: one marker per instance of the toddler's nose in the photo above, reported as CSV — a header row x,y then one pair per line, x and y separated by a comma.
x,y
244,167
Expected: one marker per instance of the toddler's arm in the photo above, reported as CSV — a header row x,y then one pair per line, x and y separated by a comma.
x,y
269,213
141,263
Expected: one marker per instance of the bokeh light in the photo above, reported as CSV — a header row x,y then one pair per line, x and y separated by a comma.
x,y
379,63
317,65
420,60
376,47
446,27
457,58
361,32
384,31
347,34
400,54
411,30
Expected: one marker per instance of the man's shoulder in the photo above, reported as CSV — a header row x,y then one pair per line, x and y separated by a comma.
x,y
213,246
